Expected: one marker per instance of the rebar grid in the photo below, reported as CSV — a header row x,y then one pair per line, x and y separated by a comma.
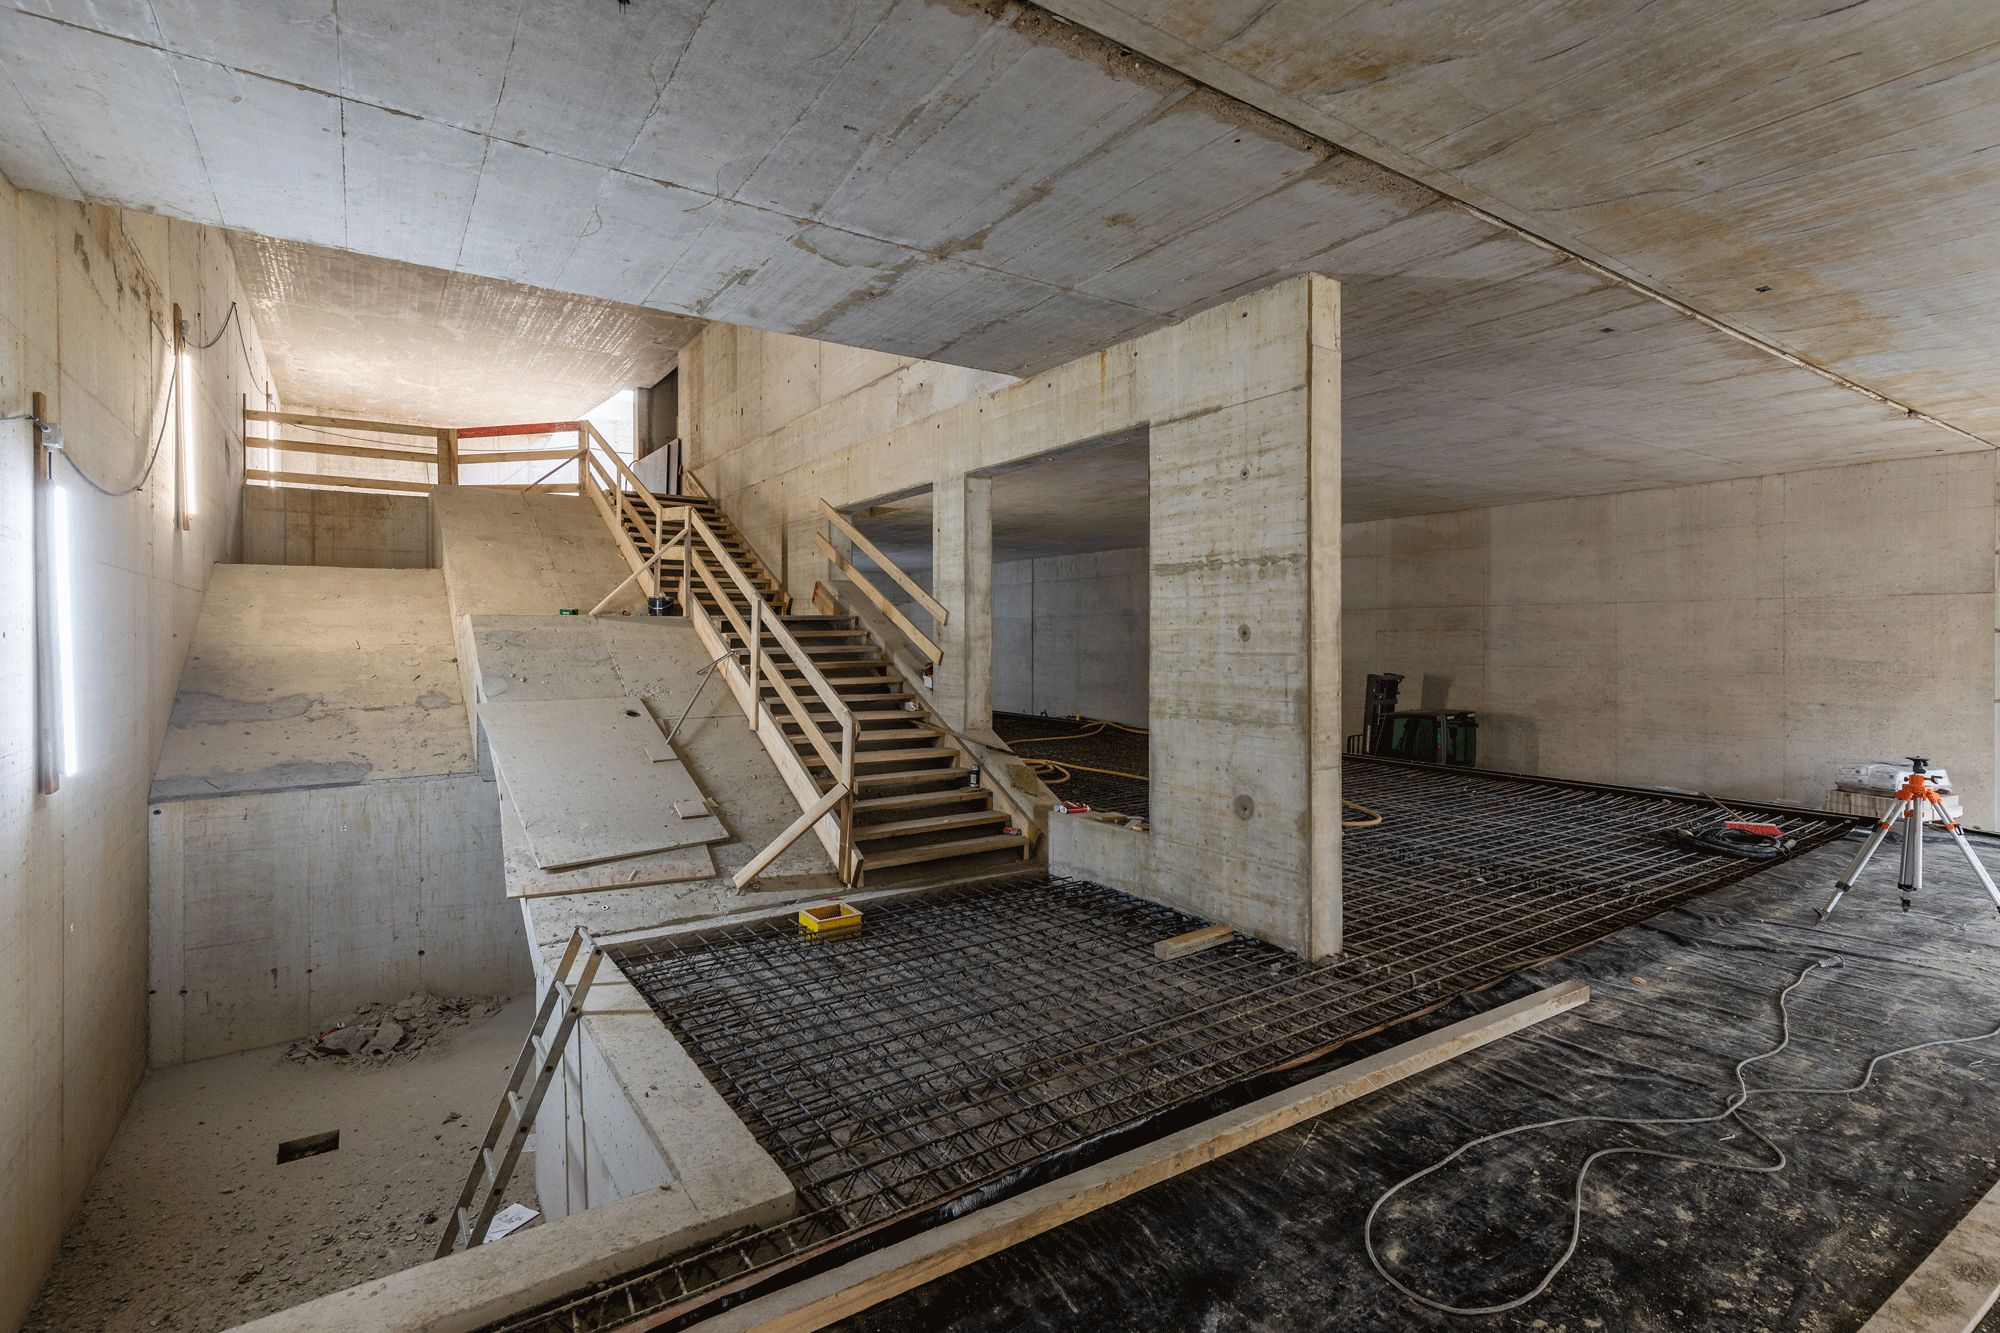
x,y
966,1035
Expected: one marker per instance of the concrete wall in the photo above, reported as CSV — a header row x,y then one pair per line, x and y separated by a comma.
x,y
742,389
274,911
1243,405
1739,637
293,525
1070,635
86,299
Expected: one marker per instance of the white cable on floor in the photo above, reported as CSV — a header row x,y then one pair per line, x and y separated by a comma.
x,y
1743,1093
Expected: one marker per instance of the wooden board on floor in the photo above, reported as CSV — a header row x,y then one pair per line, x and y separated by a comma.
x,y
525,879
831,1296
1952,1290
579,775
1180,946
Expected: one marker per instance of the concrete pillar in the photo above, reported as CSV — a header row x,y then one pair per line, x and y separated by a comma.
x,y
962,555
1326,740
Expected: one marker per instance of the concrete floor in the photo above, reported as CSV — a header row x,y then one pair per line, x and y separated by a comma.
x,y
190,1224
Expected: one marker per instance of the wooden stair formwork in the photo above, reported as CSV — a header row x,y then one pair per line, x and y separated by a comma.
x,y
910,796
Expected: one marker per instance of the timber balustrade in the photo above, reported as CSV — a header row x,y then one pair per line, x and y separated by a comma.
x,y
867,586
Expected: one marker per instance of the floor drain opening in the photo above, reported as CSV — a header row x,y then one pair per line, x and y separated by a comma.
x,y
312,1145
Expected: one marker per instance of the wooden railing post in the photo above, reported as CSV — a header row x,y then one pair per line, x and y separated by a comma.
x,y
687,553
447,457
756,659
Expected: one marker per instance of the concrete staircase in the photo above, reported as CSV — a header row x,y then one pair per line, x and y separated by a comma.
x,y
916,794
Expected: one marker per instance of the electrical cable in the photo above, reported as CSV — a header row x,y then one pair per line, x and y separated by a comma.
x,y
1744,1093
166,418
1375,816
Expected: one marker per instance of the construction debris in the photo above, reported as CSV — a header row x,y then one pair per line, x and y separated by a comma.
x,y
382,1031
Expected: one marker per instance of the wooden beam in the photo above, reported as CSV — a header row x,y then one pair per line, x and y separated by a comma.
x,y
447,452
467,457
1180,946
1952,1290
323,479
832,1296
341,423
535,428
797,829
347,450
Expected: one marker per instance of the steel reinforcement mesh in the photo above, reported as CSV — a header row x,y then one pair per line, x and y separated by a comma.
x,y
931,1062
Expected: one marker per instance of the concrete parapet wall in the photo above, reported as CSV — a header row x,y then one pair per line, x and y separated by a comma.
x,y
293,525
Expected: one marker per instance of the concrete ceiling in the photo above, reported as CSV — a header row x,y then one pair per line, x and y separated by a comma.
x,y
1094,496
1819,173
985,184
380,339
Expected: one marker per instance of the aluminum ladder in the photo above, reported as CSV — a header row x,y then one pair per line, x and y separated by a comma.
x,y
496,1171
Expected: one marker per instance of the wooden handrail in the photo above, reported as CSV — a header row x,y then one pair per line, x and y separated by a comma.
x,y
882,603
889,567
324,479
340,423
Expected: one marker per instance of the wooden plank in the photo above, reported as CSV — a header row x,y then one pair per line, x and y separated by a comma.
x,y
1952,1290
341,423
882,604
533,428
889,567
1180,946
470,456
347,450
578,773
525,879
327,479
853,1287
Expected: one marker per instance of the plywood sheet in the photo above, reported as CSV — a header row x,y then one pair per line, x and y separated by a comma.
x,y
525,879
578,774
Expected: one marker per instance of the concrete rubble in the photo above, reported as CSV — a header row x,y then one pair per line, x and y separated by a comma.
x,y
382,1031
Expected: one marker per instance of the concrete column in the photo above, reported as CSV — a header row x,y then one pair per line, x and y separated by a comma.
x,y
962,555
1325,738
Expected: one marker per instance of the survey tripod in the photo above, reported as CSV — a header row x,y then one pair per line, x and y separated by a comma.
x,y
1914,799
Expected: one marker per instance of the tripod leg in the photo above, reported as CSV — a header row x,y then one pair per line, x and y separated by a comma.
x,y
1912,878
1971,857
1854,869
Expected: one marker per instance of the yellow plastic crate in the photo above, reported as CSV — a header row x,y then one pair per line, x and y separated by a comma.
x,y
829,921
